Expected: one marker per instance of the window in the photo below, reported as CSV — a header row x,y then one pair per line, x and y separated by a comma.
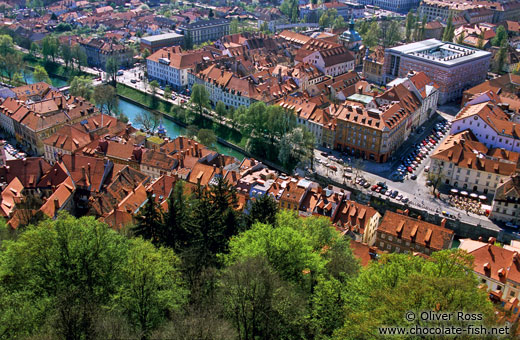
x,y
382,235
389,238
388,246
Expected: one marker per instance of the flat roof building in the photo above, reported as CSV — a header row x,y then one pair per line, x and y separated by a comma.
x,y
453,67
156,42
205,30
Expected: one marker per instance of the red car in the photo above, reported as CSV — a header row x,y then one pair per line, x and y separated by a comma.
x,y
374,187
410,170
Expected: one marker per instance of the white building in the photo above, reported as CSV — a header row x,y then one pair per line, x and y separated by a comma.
x,y
333,61
490,124
169,66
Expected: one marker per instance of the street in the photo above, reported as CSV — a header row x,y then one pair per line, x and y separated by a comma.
x,y
416,191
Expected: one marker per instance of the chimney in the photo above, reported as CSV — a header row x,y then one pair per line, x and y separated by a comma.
x,y
443,223
419,218
406,212
56,204
88,167
83,172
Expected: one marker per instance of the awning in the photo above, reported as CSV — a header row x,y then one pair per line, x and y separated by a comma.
x,y
483,197
454,191
464,193
473,195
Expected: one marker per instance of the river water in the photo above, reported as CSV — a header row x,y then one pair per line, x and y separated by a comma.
x,y
131,111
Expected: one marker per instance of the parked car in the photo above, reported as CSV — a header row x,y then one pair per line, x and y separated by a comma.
x,y
366,185
405,200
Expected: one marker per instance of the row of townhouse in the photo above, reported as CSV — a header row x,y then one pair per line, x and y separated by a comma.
x,y
31,122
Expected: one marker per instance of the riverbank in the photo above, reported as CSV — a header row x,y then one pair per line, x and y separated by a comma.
x,y
225,135
54,69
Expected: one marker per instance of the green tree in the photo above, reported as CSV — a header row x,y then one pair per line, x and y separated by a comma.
x,y
339,22
392,34
296,147
220,110
295,248
500,58
460,38
151,286
371,37
263,209
207,137
167,94
79,56
50,47
40,74
66,54
6,45
233,27
111,67
398,283
34,49
177,228
199,97
500,37
259,303
149,220
68,259
154,85
480,41
13,63
449,30
146,53
188,40
81,86
105,97
324,21
410,24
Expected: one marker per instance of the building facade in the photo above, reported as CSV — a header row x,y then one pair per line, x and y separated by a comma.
x,y
205,30
399,233
170,67
156,42
400,6
467,164
454,68
506,203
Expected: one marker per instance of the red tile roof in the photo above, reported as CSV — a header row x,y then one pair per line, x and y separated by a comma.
x,y
418,231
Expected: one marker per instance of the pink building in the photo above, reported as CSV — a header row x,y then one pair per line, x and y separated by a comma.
x,y
454,68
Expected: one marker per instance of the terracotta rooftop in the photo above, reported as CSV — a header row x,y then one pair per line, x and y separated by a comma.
x,y
495,262
465,151
11,195
418,231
